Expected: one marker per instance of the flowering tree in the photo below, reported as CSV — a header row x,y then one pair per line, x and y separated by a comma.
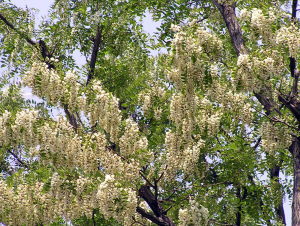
x,y
196,136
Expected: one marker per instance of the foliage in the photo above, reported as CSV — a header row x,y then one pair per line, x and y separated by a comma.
x,y
197,135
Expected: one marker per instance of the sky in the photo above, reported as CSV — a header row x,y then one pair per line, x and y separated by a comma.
x,y
149,26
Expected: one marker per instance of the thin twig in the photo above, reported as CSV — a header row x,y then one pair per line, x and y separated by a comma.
x,y
18,159
146,179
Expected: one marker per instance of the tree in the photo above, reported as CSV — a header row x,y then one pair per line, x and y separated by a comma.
x,y
196,136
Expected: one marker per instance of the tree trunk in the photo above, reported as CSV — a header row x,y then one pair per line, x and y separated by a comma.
x,y
274,175
228,13
295,151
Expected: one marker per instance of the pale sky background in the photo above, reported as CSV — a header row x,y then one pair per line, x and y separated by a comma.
x,y
149,26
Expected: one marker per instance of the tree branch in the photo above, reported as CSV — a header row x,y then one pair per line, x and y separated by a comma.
x,y
293,105
96,47
292,59
18,159
149,216
10,25
274,175
228,13
159,214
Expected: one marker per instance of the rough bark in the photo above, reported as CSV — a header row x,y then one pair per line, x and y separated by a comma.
x,y
274,175
228,13
238,215
295,151
234,29
159,217
96,47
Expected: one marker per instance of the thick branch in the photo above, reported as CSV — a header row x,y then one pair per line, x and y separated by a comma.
x,y
71,117
235,32
96,47
228,13
292,59
10,25
149,216
266,102
229,16
294,9
238,214
295,151
159,213
293,105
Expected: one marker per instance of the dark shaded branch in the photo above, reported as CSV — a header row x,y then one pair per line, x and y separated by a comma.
x,y
146,179
18,159
41,44
149,197
235,32
266,102
293,105
257,143
159,213
70,117
292,59
238,214
147,215
294,9
10,25
45,54
274,175
295,151
229,16
96,47
93,218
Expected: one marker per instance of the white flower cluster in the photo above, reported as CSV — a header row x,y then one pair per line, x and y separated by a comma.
x,y
100,106
191,157
290,37
253,72
23,128
146,97
123,169
174,156
195,214
5,132
274,137
182,114
19,129
177,108
70,150
234,102
131,142
190,50
208,118
30,204
180,155
54,138
259,21
55,88
104,109
213,123
116,201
